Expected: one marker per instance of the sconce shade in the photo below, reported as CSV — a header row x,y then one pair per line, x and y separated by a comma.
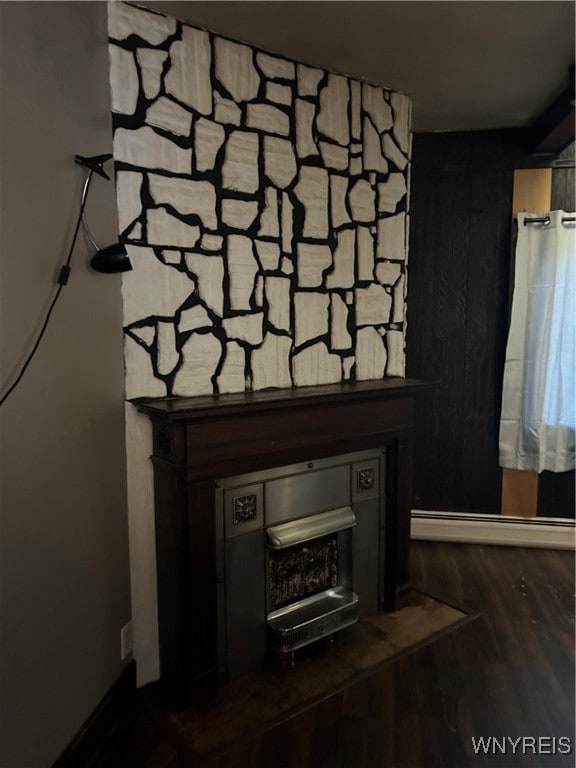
x,y
113,258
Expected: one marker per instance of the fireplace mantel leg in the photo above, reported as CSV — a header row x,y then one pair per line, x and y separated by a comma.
x,y
187,586
398,511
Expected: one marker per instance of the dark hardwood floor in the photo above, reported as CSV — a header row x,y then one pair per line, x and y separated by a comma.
x,y
509,673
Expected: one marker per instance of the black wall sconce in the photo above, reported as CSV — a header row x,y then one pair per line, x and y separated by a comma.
x,y
113,258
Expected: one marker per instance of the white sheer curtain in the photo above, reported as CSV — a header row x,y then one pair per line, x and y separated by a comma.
x,y
538,418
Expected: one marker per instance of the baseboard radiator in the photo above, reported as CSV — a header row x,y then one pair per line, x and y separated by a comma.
x,y
549,533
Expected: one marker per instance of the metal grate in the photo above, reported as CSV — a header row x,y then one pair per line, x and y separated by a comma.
x,y
304,622
301,571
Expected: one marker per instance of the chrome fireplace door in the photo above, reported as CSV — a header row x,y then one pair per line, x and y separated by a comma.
x,y
300,555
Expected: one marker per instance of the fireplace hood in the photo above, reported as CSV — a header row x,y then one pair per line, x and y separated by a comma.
x,y
308,528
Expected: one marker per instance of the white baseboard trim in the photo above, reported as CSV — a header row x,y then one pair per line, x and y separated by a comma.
x,y
550,533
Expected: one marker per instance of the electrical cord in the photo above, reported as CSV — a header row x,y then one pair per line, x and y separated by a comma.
x,y
62,281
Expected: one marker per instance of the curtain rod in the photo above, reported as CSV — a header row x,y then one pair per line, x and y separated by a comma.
x,y
546,220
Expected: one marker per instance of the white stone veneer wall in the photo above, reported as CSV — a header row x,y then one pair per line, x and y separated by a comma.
x,y
265,207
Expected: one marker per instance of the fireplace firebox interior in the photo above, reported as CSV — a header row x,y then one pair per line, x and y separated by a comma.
x,y
302,570
300,552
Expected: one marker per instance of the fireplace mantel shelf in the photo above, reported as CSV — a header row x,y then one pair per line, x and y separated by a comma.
x,y
197,441
226,435
178,408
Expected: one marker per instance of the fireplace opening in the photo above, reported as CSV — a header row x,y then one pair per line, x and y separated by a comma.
x,y
300,555
301,571
309,575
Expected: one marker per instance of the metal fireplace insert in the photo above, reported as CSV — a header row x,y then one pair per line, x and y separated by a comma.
x,y
300,555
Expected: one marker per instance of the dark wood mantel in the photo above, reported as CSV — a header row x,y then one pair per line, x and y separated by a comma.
x,y
198,440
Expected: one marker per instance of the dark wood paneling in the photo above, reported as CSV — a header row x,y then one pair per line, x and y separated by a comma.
x,y
481,151
457,313
450,243
563,189
486,329
441,152
556,495
564,182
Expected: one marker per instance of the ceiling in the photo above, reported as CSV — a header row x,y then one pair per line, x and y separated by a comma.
x,y
466,65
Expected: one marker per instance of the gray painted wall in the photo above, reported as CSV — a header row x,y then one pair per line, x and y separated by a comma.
x,y
65,587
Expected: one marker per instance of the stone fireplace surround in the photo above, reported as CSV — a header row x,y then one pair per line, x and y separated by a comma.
x,y
265,207
198,440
